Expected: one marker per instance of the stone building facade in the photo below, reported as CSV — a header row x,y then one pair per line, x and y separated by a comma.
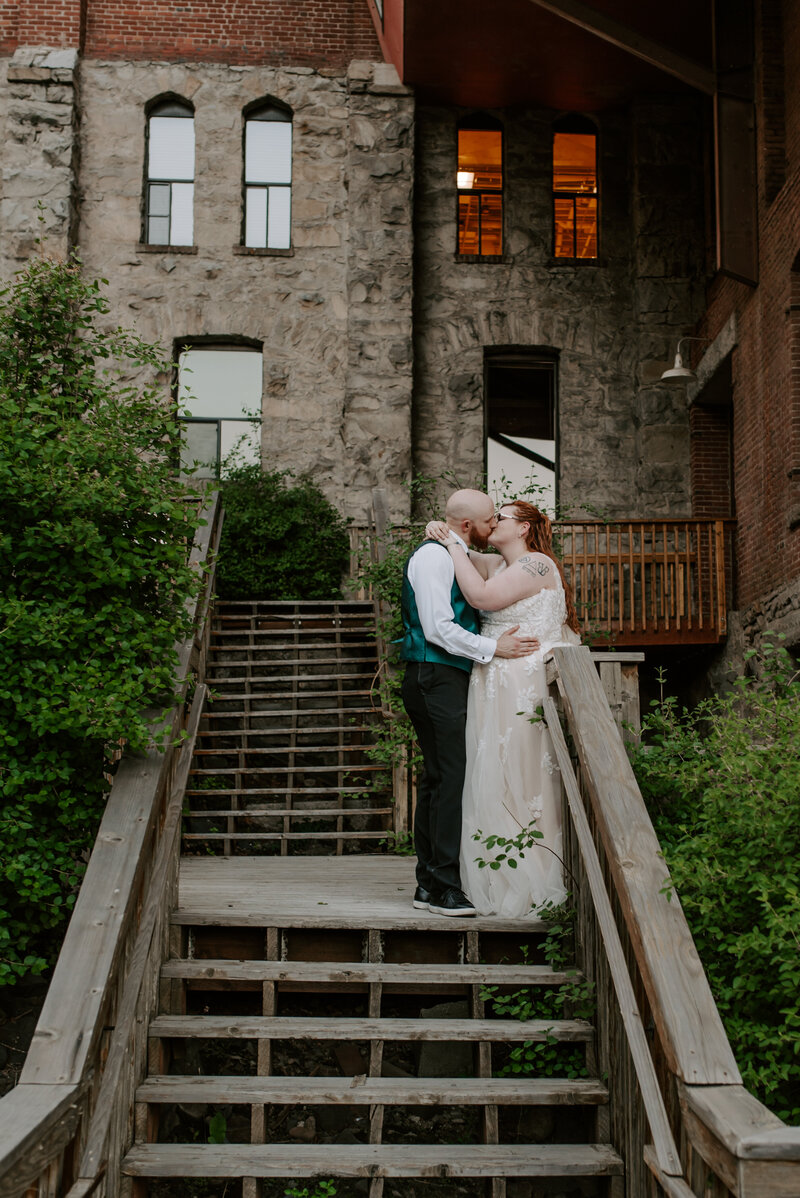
x,y
374,333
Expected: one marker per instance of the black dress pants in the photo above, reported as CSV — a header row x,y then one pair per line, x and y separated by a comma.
x,y
435,697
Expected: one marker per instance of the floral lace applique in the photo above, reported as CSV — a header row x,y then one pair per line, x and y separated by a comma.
x,y
535,806
549,765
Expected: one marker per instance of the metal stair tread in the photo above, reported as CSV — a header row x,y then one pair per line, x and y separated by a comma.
x,y
371,1160
287,1027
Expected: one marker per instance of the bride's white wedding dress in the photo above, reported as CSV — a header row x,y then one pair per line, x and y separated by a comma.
x,y
511,776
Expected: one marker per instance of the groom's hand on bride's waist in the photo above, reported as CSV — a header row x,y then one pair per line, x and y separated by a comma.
x,y
512,644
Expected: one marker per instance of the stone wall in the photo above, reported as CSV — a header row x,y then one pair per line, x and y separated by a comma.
x,y
334,316
623,442
40,153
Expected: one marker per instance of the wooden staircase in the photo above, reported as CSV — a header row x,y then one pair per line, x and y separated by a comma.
x,y
281,764
309,1015
337,1031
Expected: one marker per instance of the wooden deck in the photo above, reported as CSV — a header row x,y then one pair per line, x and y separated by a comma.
x,y
315,892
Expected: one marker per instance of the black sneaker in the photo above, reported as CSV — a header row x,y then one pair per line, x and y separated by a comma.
x,y
422,898
451,901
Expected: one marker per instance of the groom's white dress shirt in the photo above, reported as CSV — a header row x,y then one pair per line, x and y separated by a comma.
x,y
431,574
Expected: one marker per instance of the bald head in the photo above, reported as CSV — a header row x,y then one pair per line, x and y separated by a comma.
x,y
471,514
469,505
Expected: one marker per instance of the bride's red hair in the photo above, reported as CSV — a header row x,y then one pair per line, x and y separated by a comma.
x,y
539,539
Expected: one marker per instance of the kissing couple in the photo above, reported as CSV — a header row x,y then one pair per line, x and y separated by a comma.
x,y
477,627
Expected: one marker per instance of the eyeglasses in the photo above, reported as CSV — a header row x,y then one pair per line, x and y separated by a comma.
x,y
502,516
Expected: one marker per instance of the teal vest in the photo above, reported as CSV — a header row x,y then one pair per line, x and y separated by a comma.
x,y
414,646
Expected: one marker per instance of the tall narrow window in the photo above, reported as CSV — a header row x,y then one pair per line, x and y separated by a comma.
x,y
574,188
169,207
521,425
268,177
220,386
480,187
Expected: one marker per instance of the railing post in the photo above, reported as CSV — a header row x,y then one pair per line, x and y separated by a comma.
x,y
619,676
722,602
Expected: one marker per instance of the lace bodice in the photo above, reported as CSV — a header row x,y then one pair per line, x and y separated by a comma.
x,y
542,615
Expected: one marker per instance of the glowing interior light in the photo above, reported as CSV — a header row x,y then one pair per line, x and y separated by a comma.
x,y
465,180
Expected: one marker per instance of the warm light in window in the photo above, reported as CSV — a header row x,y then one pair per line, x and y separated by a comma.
x,y
480,171
575,195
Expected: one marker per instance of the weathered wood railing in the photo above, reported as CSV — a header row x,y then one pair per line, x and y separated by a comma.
x,y
64,1127
637,582
635,944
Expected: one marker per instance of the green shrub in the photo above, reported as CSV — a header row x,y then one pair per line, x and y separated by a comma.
x,y
280,539
93,579
723,786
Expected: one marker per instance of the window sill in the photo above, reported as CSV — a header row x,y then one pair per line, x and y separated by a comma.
x,y
145,248
481,258
253,251
576,263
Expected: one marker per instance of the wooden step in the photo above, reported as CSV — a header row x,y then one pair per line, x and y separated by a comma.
x,y
323,730
347,834
298,750
372,1160
287,661
280,676
223,646
211,714
278,1027
379,971
231,635
251,696
355,767
388,1091
286,790
298,812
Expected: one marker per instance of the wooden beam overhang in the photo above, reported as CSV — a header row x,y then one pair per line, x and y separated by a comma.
x,y
625,38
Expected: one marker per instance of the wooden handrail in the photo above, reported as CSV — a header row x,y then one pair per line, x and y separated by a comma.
x,y
752,1152
57,1094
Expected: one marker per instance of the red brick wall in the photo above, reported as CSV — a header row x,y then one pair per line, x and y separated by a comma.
x,y
766,405
712,493
9,21
50,22
316,33
319,33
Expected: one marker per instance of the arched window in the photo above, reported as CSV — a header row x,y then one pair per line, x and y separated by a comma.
x,y
169,198
268,176
574,188
479,180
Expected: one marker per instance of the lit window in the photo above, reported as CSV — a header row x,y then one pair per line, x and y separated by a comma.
x,y
169,207
479,180
574,188
220,387
268,178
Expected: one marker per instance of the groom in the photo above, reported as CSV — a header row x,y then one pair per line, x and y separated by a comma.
x,y
441,641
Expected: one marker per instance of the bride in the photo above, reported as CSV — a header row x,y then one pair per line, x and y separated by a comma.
x,y
511,778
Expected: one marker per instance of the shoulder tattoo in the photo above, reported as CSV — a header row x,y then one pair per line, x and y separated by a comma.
x,y
535,569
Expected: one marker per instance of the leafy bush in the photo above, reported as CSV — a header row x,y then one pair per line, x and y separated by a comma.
x,y
93,579
280,540
723,786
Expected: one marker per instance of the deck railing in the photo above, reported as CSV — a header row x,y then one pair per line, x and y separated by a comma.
x,y
639,582
678,1112
67,1122
635,582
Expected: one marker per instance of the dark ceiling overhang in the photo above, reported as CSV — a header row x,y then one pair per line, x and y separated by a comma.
x,y
560,54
